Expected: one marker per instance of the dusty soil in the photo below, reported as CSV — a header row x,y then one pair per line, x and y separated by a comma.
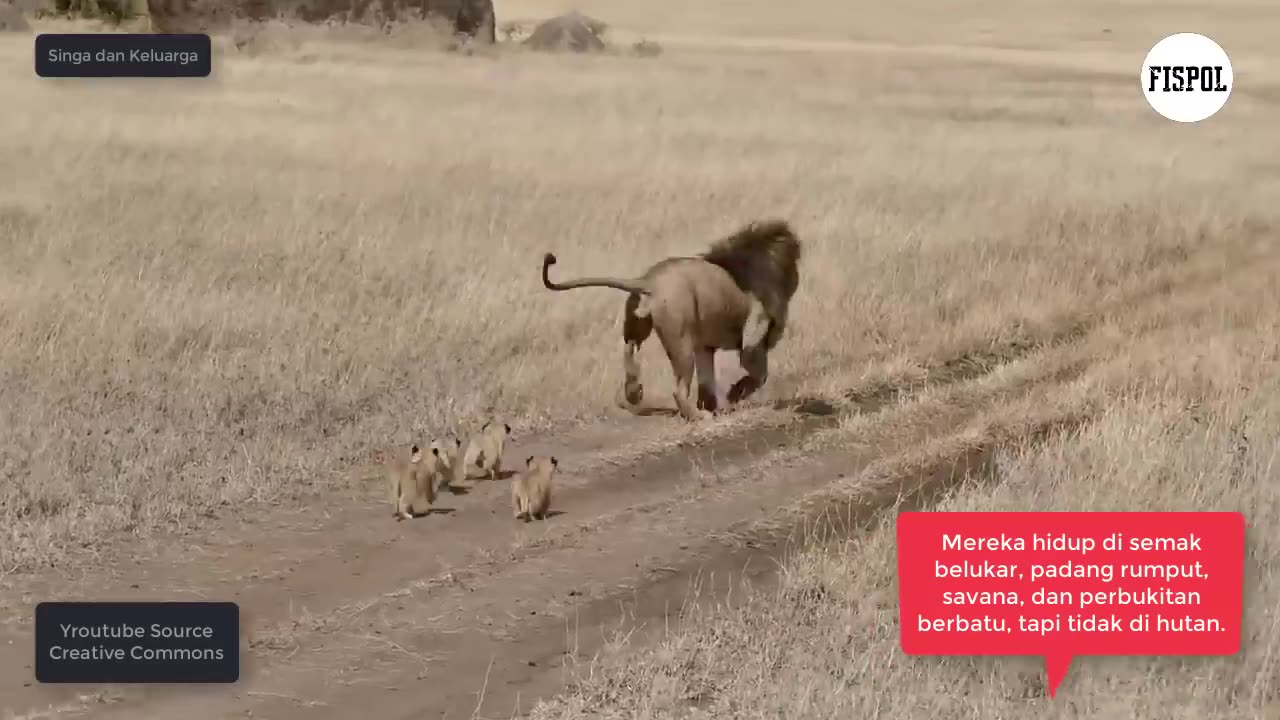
x,y
467,612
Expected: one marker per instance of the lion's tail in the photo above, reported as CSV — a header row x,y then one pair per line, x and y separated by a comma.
x,y
631,286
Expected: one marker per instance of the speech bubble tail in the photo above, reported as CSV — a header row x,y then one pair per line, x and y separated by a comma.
x,y
1055,667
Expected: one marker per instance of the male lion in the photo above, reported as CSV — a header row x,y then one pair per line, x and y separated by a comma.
x,y
732,297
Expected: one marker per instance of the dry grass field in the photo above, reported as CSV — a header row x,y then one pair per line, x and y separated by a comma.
x,y
217,296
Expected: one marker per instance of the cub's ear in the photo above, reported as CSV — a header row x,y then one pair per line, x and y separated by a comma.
x,y
528,460
458,441
554,461
508,427
435,451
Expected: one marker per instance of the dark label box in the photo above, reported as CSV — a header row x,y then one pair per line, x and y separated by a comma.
x,y
101,55
137,642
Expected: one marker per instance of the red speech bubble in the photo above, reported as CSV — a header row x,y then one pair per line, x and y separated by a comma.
x,y
1061,584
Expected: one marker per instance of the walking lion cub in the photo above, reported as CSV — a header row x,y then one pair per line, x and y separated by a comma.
x,y
531,487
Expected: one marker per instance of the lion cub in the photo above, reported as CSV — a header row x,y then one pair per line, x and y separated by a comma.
x,y
446,449
411,482
531,488
484,451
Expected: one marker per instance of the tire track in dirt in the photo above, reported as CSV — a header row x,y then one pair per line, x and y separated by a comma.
x,y
387,559
472,625
499,637
643,617
557,559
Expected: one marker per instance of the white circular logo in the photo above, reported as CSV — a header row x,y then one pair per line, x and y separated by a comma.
x,y
1186,77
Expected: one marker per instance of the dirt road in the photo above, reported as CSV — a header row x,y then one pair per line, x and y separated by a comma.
x,y
469,613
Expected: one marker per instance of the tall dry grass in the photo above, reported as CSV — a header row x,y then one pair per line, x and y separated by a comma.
x,y
216,294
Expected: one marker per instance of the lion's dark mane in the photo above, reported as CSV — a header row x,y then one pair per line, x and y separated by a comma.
x,y
763,258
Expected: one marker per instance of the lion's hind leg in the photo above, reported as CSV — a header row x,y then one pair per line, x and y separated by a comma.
x,y
681,353
635,330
